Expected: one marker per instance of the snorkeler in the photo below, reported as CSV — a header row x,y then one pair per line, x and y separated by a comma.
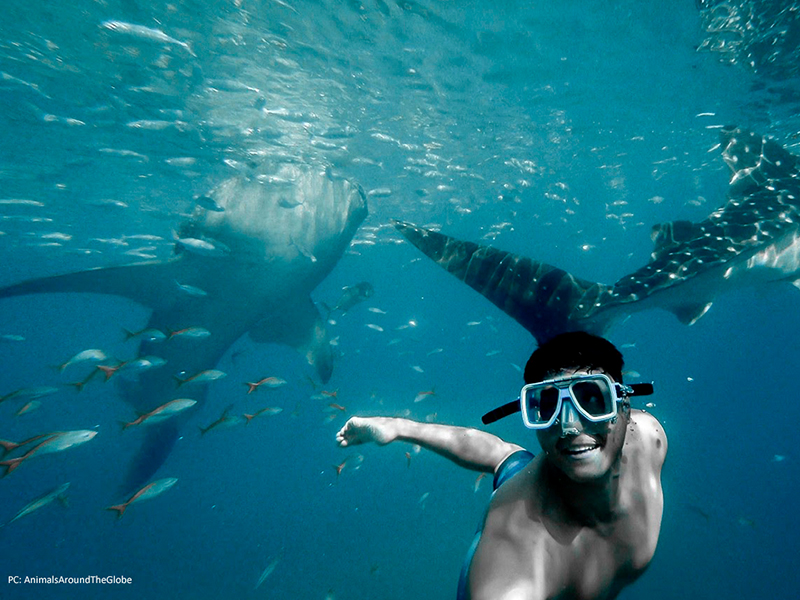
x,y
581,520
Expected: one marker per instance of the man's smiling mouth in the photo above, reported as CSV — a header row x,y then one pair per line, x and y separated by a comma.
x,y
580,449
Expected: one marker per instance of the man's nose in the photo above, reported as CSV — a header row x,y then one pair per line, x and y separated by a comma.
x,y
569,418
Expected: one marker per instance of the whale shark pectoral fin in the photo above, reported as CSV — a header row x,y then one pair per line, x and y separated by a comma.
x,y
689,314
300,326
148,283
542,298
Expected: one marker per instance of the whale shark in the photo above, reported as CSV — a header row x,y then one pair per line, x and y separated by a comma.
x,y
753,239
245,262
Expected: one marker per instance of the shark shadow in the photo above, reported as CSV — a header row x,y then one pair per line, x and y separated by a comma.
x,y
256,254
752,239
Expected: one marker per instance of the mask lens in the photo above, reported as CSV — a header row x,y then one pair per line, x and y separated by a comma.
x,y
593,396
544,402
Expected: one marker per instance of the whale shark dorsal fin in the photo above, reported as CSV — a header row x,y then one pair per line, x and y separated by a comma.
x,y
302,328
540,297
669,235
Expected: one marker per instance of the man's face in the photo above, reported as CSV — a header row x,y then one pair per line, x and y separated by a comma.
x,y
582,450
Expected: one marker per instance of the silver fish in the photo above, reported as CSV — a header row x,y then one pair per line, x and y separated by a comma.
x,y
91,355
203,247
40,502
352,295
267,571
191,290
144,33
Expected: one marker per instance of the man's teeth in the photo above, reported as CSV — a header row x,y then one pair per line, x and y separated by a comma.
x,y
581,449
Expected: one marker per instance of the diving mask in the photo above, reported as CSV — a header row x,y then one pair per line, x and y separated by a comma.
x,y
595,397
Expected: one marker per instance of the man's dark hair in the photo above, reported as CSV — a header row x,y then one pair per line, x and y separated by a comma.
x,y
574,350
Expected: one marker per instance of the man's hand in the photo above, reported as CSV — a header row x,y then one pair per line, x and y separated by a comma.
x,y
361,430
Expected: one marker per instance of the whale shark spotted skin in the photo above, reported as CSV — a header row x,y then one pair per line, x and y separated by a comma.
x,y
280,241
752,239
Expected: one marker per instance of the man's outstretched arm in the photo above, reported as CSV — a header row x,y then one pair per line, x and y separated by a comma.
x,y
469,448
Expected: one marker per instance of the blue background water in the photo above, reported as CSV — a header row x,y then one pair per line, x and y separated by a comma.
x,y
560,131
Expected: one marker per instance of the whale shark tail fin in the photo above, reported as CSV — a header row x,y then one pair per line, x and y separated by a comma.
x,y
543,299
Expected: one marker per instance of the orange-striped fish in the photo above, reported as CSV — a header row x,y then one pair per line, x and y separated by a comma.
x,y
79,385
164,411
136,365
270,382
268,411
206,376
9,446
29,407
151,490
55,442
423,395
149,334
190,332
30,393
225,420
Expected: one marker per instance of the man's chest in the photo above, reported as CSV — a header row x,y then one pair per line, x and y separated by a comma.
x,y
600,561
572,562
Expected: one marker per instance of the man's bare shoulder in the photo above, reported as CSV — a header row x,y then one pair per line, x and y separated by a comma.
x,y
514,503
649,433
510,559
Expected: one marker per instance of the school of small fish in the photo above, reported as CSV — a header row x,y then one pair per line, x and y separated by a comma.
x,y
95,366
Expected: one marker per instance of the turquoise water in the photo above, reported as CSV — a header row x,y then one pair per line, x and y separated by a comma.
x,y
561,131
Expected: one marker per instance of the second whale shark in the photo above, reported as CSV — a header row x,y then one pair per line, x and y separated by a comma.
x,y
752,239
248,264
